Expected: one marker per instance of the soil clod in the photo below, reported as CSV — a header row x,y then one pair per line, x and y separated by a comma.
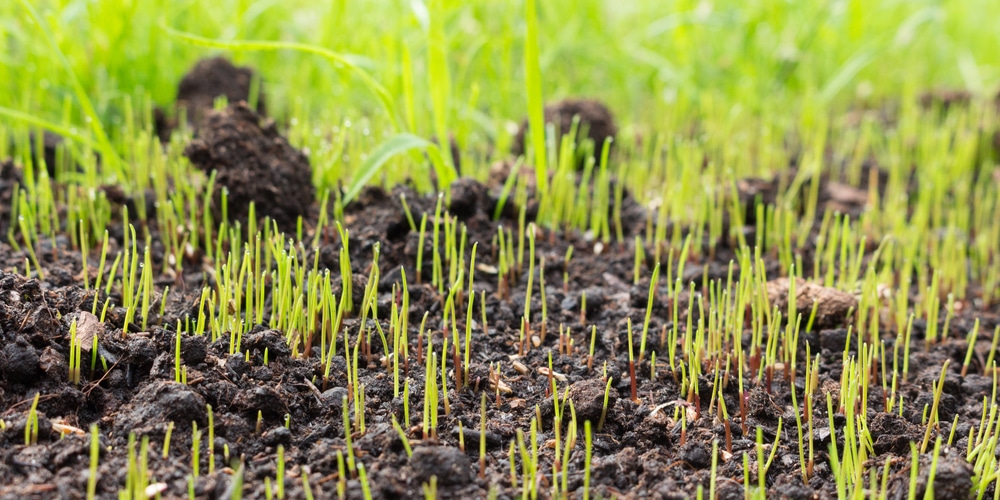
x,y
212,78
449,464
254,164
158,403
596,123
832,305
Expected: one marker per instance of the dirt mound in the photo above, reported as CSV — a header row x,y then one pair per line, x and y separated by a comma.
x,y
50,144
254,164
213,78
596,123
10,176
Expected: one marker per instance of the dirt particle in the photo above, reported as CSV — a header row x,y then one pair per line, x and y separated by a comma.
x,y
213,78
53,364
450,465
334,399
194,349
157,404
278,435
761,406
588,398
596,121
10,176
894,433
696,455
263,399
20,361
832,304
952,479
254,163
468,197
270,340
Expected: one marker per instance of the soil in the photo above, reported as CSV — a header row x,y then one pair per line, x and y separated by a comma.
x,y
596,122
639,452
254,163
10,178
197,91
212,78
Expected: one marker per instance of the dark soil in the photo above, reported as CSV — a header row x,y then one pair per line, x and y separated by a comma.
x,y
50,144
212,78
254,163
208,80
10,178
596,123
640,452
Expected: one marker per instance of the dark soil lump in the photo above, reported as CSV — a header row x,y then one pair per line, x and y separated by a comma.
x,y
254,164
212,78
596,121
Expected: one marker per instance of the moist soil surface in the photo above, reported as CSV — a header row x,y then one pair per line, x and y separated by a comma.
x,y
253,164
640,451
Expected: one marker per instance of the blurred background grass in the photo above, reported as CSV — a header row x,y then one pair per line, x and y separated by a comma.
x,y
650,60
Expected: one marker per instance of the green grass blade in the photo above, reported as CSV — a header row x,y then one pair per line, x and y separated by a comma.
x,y
384,98
440,79
533,83
103,143
396,145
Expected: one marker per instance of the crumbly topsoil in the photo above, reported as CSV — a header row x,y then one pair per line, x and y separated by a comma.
x,y
595,118
640,451
254,163
213,78
208,80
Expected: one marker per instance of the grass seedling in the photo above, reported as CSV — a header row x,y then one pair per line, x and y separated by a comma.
x,y
933,418
402,437
713,478
604,408
279,479
31,423
75,351
341,476
588,453
533,84
762,465
307,490
195,449
430,488
347,437
971,340
211,440
177,357
649,311
95,453
631,364
166,440
590,354
569,255
482,436
366,489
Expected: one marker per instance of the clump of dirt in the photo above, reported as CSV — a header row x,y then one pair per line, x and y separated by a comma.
x,y
50,144
596,123
945,98
208,80
254,163
832,305
212,78
10,177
